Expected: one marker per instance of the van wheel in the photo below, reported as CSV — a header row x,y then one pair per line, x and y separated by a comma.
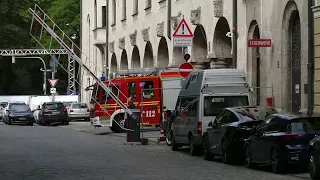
x,y
119,120
194,150
174,145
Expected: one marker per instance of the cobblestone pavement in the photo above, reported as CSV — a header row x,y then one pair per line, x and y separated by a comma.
x,y
36,152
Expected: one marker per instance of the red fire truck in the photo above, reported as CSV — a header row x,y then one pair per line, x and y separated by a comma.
x,y
161,89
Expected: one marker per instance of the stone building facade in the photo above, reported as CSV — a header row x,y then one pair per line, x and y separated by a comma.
x,y
316,14
138,38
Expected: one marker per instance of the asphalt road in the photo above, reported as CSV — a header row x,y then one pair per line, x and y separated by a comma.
x,y
36,152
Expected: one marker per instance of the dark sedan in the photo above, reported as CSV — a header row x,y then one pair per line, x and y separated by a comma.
x,y
226,135
19,113
53,112
282,139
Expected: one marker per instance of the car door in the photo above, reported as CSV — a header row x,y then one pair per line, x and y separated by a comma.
x,y
215,132
258,141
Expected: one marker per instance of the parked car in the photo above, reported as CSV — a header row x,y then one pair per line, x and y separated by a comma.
x,y
53,112
314,157
18,113
225,136
282,139
79,111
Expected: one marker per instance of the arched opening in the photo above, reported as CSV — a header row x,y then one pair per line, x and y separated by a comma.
x,y
135,60
148,56
199,45
222,44
124,60
95,14
163,54
254,65
291,58
114,65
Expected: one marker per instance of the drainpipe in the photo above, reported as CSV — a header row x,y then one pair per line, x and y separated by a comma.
x,y
310,59
169,20
235,33
107,39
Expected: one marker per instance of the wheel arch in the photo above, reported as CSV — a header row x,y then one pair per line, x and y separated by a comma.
x,y
114,114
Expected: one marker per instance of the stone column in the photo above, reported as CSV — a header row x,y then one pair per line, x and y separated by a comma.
x,y
316,13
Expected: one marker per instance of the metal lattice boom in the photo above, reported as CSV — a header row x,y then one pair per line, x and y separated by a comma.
x,y
28,52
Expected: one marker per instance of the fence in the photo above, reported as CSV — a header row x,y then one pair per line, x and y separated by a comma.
x,y
154,103
263,96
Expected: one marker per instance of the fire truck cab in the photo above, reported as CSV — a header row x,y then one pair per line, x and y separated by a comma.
x,y
146,87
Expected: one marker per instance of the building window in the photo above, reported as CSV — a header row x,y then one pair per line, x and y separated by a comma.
x,y
124,9
148,4
135,7
114,11
104,16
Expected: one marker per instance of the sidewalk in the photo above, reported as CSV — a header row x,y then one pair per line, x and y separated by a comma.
x,y
152,134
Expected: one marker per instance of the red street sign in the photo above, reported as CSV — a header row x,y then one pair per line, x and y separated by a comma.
x,y
53,82
259,43
185,69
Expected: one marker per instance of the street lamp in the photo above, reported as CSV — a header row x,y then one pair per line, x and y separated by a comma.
x,y
44,69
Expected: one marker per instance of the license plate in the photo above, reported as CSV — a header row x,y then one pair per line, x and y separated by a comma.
x,y
22,118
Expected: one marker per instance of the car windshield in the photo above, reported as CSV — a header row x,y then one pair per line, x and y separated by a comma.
x,y
214,104
54,106
79,106
19,108
305,124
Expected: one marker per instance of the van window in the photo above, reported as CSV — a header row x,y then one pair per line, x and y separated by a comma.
x,y
147,89
188,107
214,104
132,89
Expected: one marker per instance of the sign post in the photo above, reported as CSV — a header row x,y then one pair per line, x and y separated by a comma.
x,y
182,36
185,69
54,66
53,90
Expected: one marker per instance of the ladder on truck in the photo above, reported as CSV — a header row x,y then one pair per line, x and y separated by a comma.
x,y
39,17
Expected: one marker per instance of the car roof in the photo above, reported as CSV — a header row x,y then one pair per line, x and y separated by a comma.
x,y
292,116
257,112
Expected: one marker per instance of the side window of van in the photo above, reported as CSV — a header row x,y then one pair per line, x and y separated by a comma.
x,y
177,109
194,108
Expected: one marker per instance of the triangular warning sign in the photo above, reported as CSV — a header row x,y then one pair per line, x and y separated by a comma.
x,y
53,82
183,30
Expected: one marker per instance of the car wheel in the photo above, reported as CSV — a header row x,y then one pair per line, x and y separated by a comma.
x,y
30,123
169,138
277,164
174,145
207,155
314,168
248,160
226,159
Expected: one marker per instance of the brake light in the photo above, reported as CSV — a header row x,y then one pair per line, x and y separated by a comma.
x,y
88,110
199,128
71,110
288,137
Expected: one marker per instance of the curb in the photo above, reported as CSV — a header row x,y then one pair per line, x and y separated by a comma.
x,y
151,141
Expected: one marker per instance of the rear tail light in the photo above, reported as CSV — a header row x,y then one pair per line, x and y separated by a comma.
x,y
88,110
71,110
288,137
199,128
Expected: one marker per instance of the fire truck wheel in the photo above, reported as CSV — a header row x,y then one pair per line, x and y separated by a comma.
x,y
119,120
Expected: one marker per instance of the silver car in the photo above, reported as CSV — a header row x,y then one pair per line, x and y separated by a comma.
x,y
79,111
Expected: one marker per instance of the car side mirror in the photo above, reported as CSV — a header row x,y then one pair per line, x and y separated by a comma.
x,y
210,124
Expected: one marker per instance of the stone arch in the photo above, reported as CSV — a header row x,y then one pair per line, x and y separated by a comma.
x,y
291,58
222,44
163,53
148,56
254,63
135,59
114,64
124,60
199,45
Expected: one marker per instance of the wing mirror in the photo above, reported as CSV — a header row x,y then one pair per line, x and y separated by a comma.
x,y
212,124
